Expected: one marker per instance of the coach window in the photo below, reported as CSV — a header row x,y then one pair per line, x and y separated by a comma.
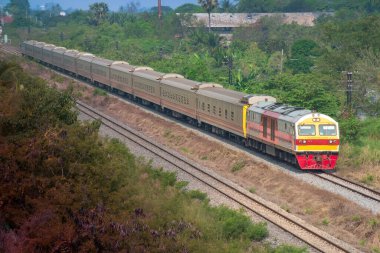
x,y
232,115
214,109
220,112
208,107
225,113
329,130
306,130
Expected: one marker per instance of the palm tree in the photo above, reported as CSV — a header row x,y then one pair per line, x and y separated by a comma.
x,y
100,11
208,5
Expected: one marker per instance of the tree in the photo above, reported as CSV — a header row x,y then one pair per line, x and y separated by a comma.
x,y
99,12
208,5
303,52
188,8
227,6
257,5
20,10
131,7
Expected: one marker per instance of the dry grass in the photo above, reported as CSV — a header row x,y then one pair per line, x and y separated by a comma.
x,y
360,164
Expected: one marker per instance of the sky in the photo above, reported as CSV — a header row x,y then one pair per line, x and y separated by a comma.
x,y
112,4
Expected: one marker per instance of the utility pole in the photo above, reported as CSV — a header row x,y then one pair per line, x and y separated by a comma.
x,y
159,9
282,57
230,65
161,52
160,14
349,89
229,62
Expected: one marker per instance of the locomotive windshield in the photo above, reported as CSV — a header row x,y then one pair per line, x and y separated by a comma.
x,y
306,130
329,130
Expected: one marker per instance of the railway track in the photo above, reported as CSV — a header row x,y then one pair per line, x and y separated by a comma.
x,y
311,235
10,50
351,186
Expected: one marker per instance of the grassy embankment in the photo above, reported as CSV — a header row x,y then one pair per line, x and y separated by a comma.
x,y
360,156
65,188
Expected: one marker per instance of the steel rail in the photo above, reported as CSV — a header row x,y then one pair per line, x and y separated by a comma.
x,y
350,185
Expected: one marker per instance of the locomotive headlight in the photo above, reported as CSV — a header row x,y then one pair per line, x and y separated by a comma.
x,y
316,119
304,141
330,141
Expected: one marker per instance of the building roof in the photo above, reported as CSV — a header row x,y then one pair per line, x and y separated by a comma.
x,y
232,20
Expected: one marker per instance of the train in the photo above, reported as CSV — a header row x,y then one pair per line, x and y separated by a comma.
x,y
304,138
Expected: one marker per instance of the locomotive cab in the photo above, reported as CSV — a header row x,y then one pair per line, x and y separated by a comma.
x,y
316,142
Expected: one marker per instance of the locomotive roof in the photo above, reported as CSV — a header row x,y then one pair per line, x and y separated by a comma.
x,y
284,112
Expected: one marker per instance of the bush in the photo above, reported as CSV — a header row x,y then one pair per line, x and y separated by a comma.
x,y
99,92
166,178
349,129
236,224
238,165
197,195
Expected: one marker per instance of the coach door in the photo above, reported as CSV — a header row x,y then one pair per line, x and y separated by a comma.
x,y
265,126
272,129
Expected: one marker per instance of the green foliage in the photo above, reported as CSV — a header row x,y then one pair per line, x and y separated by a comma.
x,y
98,12
195,194
349,129
368,179
208,5
236,225
302,52
305,5
227,6
238,165
181,184
308,91
166,178
39,106
373,223
100,92
19,9
189,8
